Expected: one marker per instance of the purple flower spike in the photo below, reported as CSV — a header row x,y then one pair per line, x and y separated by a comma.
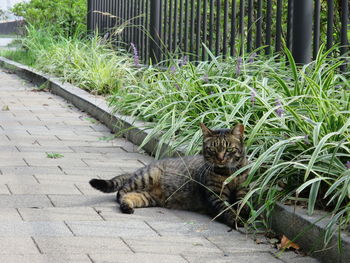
x,y
238,68
252,57
183,61
252,97
173,69
279,110
348,164
177,86
136,55
205,78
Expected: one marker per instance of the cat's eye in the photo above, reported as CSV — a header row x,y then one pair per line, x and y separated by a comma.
x,y
211,149
231,150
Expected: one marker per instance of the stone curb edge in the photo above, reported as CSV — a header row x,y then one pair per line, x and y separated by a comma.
x,y
284,220
309,232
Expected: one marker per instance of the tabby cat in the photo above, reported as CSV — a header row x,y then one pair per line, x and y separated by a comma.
x,y
190,183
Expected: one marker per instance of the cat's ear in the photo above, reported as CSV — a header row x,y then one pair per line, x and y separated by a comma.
x,y
238,130
206,131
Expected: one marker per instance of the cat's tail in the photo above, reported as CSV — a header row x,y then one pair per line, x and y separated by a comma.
x,y
112,185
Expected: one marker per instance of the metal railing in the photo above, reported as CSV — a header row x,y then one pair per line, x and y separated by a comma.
x,y
158,28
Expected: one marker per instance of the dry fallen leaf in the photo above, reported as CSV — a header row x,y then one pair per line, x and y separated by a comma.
x,y
5,108
259,241
287,244
197,244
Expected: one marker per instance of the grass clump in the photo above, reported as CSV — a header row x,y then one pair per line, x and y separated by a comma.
x,y
90,63
297,123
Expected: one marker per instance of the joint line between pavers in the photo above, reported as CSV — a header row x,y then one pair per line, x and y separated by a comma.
x,y
20,215
37,246
99,213
8,188
215,244
152,228
121,147
7,137
184,258
85,162
36,179
141,162
61,169
69,228
78,189
90,258
26,162
133,251
70,147
50,200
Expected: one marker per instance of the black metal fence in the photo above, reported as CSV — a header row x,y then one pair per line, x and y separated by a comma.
x,y
158,28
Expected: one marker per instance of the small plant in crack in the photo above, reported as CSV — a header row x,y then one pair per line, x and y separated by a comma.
x,y
107,138
54,155
92,120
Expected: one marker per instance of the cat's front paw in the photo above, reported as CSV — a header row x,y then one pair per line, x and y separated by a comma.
x,y
126,208
231,222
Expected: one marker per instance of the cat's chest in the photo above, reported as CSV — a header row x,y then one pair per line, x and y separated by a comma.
x,y
213,177
218,183
216,178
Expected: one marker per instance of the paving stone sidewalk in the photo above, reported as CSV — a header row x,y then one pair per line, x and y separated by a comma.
x,y
49,213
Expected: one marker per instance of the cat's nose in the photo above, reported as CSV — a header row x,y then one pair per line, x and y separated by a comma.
x,y
220,156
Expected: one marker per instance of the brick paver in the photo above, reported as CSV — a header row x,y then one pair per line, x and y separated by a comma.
x,y
49,213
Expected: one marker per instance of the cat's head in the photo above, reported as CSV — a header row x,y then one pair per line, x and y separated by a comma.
x,y
223,147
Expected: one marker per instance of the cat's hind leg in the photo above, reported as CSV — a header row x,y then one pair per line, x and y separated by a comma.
x,y
112,185
142,190
131,200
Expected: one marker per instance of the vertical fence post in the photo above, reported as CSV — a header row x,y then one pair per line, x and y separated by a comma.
x,y
290,24
89,16
330,19
154,47
344,30
302,31
317,24
344,26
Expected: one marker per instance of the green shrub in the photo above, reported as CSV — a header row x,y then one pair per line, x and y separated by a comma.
x,y
297,123
91,64
65,17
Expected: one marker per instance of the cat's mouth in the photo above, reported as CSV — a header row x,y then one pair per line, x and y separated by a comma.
x,y
224,162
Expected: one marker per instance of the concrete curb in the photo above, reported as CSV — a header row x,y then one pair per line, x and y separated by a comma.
x,y
309,232
284,219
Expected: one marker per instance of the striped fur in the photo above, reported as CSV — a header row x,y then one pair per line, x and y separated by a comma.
x,y
191,183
